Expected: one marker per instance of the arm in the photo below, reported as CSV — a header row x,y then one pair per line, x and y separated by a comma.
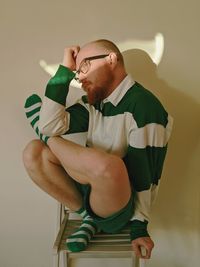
x,y
145,193
148,138
55,119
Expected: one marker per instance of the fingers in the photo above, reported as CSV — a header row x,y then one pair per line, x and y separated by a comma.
x,y
69,58
143,247
137,251
75,50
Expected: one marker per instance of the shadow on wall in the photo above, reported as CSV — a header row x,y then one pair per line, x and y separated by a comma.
x,y
179,183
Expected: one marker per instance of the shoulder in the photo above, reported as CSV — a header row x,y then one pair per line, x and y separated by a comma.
x,y
145,106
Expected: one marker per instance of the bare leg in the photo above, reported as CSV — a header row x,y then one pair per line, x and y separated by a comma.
x,y
46,171
105,173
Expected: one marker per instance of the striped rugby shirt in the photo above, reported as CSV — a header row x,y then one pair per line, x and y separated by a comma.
x,y
130,123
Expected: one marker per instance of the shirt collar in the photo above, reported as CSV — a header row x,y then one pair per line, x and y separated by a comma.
x,y
116,96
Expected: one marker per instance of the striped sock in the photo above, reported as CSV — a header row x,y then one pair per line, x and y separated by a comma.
x,y
79,240
32,109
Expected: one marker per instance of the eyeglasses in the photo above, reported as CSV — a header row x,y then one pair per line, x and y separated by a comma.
x,y
85,65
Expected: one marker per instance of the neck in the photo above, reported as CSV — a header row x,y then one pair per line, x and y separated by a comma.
x,y
116,81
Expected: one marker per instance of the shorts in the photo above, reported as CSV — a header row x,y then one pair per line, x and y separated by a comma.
x,y
113,223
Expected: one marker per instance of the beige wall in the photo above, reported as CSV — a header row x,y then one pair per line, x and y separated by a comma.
x,y
31,30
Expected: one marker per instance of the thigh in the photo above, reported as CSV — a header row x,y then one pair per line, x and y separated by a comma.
x,y
112,192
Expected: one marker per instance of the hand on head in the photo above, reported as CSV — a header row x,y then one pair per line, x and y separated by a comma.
x,y
69,58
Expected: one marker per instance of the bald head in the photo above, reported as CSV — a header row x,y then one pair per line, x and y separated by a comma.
x,y
103,46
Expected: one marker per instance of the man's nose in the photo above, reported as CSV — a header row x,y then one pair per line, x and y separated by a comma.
x,y
80,76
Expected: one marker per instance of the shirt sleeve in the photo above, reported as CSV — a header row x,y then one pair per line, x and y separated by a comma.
x,y
148,139
55,118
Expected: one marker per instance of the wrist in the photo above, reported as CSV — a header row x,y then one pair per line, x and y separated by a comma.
x,y
138,229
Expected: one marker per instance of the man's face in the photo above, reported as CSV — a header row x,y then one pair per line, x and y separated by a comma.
x,y
98,77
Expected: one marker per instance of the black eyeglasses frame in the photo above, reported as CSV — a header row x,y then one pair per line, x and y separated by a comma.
x,y
88,59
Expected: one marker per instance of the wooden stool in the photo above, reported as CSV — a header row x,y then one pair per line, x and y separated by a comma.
x,y
103,245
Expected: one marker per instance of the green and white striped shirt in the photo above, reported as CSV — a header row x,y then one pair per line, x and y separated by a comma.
x,y
130,123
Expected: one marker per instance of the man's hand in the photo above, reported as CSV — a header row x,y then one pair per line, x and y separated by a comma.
x,y
144,242
69,59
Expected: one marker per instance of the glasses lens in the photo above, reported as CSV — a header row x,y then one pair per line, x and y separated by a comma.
x,y
85,66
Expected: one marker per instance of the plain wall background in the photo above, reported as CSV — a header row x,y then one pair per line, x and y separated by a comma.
x,y
34,30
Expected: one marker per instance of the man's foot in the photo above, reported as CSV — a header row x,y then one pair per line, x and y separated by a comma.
x,y
32,109
79,240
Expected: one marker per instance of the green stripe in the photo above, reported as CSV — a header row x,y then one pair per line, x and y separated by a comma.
x,y
37,131
89,231
85,229
41,135
32,112
141,103
58,86
145,166
46,139
79,119
31,100
85,99
138,229
90,222
33,122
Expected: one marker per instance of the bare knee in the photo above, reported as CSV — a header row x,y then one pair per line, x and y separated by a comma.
x,y
112,167
32,154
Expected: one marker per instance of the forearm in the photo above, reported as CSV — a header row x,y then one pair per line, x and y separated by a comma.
x,y
54,120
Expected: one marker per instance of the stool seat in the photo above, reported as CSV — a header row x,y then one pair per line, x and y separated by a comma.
x,y
102,245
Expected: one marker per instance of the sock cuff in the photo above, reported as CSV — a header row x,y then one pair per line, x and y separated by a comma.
x,y
82,212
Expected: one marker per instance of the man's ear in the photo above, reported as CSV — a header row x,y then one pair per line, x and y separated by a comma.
x,y
112,59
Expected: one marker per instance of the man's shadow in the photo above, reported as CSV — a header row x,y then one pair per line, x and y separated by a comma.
x,y
179,183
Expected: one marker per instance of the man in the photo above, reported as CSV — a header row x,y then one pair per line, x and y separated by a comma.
x,y
114,179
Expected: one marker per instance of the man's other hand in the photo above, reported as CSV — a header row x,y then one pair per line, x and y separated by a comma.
x,y
140,243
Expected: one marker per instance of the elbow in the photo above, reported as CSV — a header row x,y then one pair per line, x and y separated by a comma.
x,y
45,130
51,130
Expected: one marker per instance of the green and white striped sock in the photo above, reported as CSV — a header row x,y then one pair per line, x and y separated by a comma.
x,y
32,109
79,240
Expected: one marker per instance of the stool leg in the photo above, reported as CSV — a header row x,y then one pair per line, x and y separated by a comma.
x,y
135,260
68,261
142,263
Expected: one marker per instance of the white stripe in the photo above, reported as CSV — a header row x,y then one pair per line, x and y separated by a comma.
x,y
33,116
88,218
169,127
125,132
99,132
144,201
152,134
83,213
81,232
36,126
142,205
43,137
90,227
79,240
54,120
37,105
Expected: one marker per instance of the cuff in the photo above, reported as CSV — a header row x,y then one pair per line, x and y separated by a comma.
x,y
138,229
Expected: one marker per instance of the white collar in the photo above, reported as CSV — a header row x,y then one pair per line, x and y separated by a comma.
x,y
119,92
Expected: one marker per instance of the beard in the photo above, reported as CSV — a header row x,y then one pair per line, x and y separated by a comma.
x,y
96,96
96,92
